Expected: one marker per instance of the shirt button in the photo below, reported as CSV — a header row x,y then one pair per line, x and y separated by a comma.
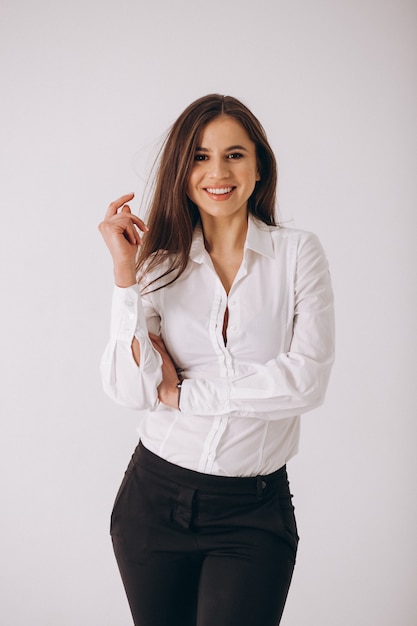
x,y
210,457
131,316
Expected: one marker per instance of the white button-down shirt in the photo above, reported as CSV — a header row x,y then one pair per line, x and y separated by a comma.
x,y
240,402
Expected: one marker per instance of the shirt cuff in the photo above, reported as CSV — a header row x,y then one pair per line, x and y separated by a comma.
x,y
205,396
127,316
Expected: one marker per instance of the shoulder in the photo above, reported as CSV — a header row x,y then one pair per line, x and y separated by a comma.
x,y
286,238
294,235
303,247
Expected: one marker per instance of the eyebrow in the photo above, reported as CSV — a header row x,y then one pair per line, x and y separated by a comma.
x,y
201,149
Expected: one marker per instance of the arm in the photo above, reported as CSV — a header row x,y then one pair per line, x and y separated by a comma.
x,y
294,381
168,391
122,239
130,367
127,383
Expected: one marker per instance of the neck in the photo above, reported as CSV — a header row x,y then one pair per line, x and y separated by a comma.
x,y
224,235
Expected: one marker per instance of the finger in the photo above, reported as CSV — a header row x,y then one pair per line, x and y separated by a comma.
x,y
135,219
158,344
132,236
156,339
140,224
116,204
159,350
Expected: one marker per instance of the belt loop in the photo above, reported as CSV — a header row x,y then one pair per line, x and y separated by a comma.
x,y
260,486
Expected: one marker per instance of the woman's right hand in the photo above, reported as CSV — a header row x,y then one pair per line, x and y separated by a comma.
x,y
121,231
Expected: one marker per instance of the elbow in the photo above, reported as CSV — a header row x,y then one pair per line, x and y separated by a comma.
x,y
131,388
129,385
310,389
141,400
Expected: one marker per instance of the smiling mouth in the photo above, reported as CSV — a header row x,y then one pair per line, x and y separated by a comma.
x,y
219,191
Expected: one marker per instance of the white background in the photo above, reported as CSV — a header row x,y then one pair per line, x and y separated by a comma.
x,y
88,88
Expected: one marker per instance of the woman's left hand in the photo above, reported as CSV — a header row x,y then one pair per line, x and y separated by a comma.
x,y
167,390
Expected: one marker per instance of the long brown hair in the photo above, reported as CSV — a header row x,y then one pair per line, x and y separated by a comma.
x,y
172,215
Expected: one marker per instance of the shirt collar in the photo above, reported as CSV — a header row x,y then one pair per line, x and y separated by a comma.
x,y
198,251
258,239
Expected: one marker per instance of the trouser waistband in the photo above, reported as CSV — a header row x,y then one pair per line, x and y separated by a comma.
x,y
205,482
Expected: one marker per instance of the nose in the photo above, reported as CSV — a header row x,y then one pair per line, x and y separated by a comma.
x,y
219,168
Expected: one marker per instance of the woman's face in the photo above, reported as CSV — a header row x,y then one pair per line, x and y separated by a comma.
x,y
225,169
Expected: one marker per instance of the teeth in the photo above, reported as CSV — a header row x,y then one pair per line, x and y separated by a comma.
x,y
219,192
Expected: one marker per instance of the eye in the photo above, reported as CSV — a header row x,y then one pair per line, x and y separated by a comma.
x,y
235,156
200,157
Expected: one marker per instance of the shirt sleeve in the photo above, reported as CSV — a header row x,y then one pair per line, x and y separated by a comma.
x,y
295,381
123,380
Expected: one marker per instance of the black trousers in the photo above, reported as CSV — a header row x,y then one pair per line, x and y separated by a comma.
x,y
201,550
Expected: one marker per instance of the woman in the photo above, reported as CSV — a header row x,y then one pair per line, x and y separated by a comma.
x,y
225,341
